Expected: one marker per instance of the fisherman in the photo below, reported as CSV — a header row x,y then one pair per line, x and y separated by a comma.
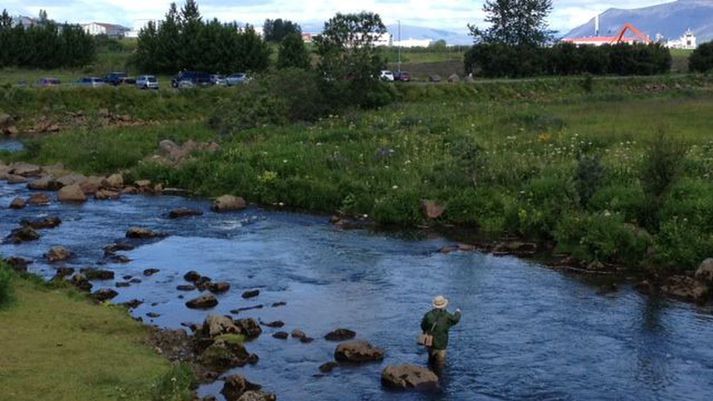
x,y
437,322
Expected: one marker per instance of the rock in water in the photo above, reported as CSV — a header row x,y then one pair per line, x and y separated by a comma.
x,y
202,302
219,287
281,335
250,328
225,354
409,377
113,181
97,274
358,351
143,233
257,396
17,203
47,222
183,212
250,294
71,193
328,367
39,199
704,273
235,386
22,234
685,288
58,253
228,203
340,335
215,325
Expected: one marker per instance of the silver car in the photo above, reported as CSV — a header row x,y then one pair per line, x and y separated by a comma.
x,y
147,82
236,79
91,82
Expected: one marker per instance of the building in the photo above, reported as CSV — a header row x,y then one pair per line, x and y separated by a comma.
x,y
621,37
413,42
687,41
110,30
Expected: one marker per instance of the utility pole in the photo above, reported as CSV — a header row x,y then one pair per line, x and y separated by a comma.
x,y
399,52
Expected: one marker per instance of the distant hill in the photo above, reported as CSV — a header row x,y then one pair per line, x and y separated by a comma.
x,y
670,20
409,32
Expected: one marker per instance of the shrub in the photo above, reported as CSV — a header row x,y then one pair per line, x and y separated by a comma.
x,y
400,207
588,177
481,207
701,60
6,294
626,200
681,244
602,236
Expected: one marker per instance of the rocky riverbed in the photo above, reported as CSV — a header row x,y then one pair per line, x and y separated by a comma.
x,y
286,281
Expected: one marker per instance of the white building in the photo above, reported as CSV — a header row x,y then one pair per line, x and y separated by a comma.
x,y
111,30
413,42
687,41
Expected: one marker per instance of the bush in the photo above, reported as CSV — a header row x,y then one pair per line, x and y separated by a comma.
x,y
701,60
6,294
402,208
588,177
604,237
626,200
681,244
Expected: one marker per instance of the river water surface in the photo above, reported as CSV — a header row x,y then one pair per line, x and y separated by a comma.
x,y
527,333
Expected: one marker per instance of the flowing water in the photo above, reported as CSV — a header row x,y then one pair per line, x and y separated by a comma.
x,y
527,333
10,145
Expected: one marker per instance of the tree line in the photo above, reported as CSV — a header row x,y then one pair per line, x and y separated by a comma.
x,y
45,44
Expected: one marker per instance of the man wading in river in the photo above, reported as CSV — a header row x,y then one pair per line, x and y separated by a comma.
x,y
437,322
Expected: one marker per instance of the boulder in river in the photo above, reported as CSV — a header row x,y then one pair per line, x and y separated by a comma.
x,y
143,233
71,179
71,193
22,234
685,288
236,385
91,185
113,181
39,199
15,179
218,287
340,335
250,328
58,254
432,209
17,203
228,203
47,222
281,335
25,169
358,351
80,282
185,287
183,212
250,294
192,276
704,273
216,325
226,352
517,248
150,272
106,194
104,294
202,302
275,324
46,183
409,377
298,334
93,273
328,366
257,396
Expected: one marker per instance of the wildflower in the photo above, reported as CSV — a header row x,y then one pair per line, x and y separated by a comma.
x,y
395,187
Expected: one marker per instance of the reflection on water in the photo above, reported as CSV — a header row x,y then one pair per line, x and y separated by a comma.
x,y
10,145
527,333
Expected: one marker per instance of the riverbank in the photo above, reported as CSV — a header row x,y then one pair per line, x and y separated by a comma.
x,y
563,164
57,342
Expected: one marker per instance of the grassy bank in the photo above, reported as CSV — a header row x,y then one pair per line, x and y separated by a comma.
x,y
58,346
610,170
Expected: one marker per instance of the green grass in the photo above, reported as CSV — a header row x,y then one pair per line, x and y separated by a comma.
x,y
56,345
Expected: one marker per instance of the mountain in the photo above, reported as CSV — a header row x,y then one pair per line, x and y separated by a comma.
x,y
670,20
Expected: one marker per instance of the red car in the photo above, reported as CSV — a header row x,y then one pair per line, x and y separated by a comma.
x,y
402,76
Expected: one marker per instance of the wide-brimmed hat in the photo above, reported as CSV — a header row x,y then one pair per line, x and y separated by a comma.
x,y
440,302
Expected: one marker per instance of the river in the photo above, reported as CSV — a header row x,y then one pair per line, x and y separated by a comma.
x,y
527,333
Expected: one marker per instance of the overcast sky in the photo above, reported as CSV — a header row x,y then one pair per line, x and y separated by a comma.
x,y
452,15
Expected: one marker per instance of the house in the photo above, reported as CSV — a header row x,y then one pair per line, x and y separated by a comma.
x,y
110,30
687,41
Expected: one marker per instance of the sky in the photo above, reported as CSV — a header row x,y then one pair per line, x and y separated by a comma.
x,y
451,15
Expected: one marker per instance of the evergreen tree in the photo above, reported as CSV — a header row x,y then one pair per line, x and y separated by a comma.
x,y
276,30
292,53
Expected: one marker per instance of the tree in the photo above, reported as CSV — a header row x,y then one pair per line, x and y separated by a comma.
x,y
350,61
514,22
701,60
276,30
293,53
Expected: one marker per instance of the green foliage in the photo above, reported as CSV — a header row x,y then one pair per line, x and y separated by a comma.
x,y
44,45
183,41
514,22
278,29
175,385
701,60
292,53
501,60
398,207
588,177
6,291
661,166
604,237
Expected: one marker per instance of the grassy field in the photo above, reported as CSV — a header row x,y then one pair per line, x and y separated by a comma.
x,y
551,160
58,346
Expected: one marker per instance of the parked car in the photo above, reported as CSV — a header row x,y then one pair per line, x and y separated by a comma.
x,y
236,79
118,78
91,82
403,76
147,82
386,75
47,82
190,79
218,80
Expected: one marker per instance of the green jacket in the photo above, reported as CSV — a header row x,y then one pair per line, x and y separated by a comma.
x,y
443,322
